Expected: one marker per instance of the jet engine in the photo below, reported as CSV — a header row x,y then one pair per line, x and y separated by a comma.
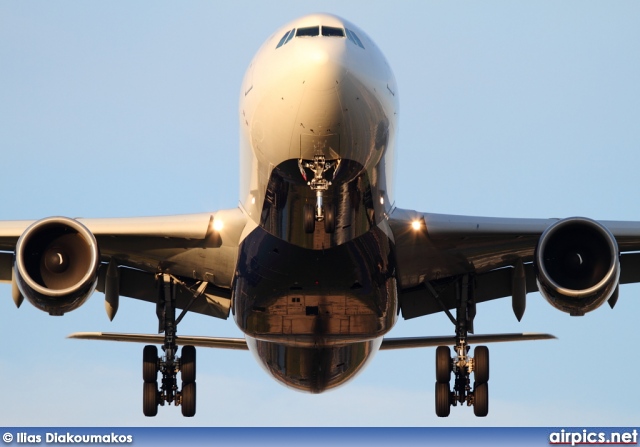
x,y
577,265
56,265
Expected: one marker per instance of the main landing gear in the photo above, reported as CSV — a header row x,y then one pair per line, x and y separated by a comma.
x,y
170,364
462,365
319,212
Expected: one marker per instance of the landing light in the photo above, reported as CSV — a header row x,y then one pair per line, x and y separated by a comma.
x,y
218,225
416,225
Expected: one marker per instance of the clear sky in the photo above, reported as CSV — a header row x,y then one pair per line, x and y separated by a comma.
x,y
514,109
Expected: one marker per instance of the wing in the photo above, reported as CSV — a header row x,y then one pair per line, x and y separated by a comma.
x,y
434,250
198,250
182,340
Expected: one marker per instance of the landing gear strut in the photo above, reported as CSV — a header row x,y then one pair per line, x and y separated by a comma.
x,y
462,365
319,212
170,364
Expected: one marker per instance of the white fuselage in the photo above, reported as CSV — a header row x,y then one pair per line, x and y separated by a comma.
x,y
317,94
315,300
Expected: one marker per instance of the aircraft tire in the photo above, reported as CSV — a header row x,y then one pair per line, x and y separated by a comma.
x,y
481,399
188,364
443,404
443,364
150,363
309,216
481,364
329,218
150,399
188,399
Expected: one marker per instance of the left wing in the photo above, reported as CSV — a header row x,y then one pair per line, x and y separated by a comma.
x,y
434,250
198,250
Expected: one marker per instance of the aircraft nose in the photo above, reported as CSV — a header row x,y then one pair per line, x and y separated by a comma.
x,y
322,69
318,57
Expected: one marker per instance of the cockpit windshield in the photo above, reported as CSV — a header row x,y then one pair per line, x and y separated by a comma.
x,y
332,31
314,31
308,31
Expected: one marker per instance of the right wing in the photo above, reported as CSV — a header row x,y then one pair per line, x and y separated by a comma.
x,y
155,339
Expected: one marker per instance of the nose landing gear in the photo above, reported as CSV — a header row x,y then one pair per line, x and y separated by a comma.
x,y
320,212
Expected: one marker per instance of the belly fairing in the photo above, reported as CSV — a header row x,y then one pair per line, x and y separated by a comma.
x,y
310,369
315,317
289,294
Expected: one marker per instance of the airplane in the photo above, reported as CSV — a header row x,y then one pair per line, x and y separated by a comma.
x,y
317,263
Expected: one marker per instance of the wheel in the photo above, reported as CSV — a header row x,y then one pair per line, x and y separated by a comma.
x,y
188,399
443,364
150,399
150,363
481,399
188,364
481,364
443,404
329,218
309,216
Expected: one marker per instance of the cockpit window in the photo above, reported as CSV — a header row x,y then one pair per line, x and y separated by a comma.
x,y
308,31
332,31
284,38
291,34
353,37
313,31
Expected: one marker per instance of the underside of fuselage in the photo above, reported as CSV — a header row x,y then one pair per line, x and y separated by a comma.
x,y
315,316
313,370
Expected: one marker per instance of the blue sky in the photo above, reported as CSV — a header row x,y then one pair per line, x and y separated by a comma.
x,y
514,109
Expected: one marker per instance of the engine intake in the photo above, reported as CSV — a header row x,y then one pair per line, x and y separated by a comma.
x,y
57,261
577,265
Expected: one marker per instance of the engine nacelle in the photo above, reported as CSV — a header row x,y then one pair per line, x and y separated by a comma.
x,y
57,261
577,265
